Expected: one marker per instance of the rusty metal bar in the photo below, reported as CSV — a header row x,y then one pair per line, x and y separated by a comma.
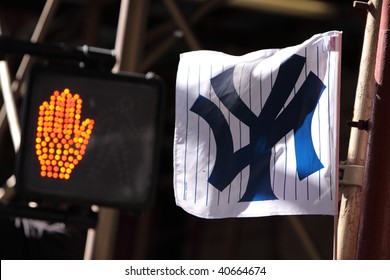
x,y
350,206
10,105
130,33
128,50
374,231
40,31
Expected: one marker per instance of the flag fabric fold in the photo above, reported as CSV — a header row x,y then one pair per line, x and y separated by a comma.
x,y
257,135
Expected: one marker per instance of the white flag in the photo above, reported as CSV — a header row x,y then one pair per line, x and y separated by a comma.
x,y
257,135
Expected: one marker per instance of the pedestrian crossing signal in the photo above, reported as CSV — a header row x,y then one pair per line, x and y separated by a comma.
x,y
90,137
61,138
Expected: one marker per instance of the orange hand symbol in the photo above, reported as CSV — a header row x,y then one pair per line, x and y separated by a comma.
x,y
61,138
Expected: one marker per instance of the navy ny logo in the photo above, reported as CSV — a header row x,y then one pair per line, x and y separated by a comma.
x,y
275,120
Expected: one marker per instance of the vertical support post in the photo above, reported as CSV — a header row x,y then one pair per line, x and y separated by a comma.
x,y
39,33
40,30
374,231
10,110
350,207
128,49
130,33
10,106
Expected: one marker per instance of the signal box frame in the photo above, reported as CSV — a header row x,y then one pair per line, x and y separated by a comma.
x,y
120,166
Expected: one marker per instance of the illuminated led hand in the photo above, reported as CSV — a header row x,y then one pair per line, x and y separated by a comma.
x,y
61,138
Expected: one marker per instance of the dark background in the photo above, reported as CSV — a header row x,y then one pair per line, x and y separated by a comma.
x,y
164,231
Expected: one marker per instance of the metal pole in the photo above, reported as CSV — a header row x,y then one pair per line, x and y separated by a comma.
x,y
130,32
10,105
131,24
10,109
39,32
350,206
374,231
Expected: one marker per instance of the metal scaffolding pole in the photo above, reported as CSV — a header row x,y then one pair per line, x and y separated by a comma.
x,y
10,109
39,33
350,207
128,50
374,231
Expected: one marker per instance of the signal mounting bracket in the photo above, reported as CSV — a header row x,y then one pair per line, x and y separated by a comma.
x,y
93,57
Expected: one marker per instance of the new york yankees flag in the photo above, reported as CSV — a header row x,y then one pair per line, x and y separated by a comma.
x,y
257,135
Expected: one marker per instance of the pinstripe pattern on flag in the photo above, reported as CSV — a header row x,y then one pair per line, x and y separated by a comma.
x,y
257,135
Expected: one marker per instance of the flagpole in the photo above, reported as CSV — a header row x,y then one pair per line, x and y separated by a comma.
x,y
350,207
374,231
